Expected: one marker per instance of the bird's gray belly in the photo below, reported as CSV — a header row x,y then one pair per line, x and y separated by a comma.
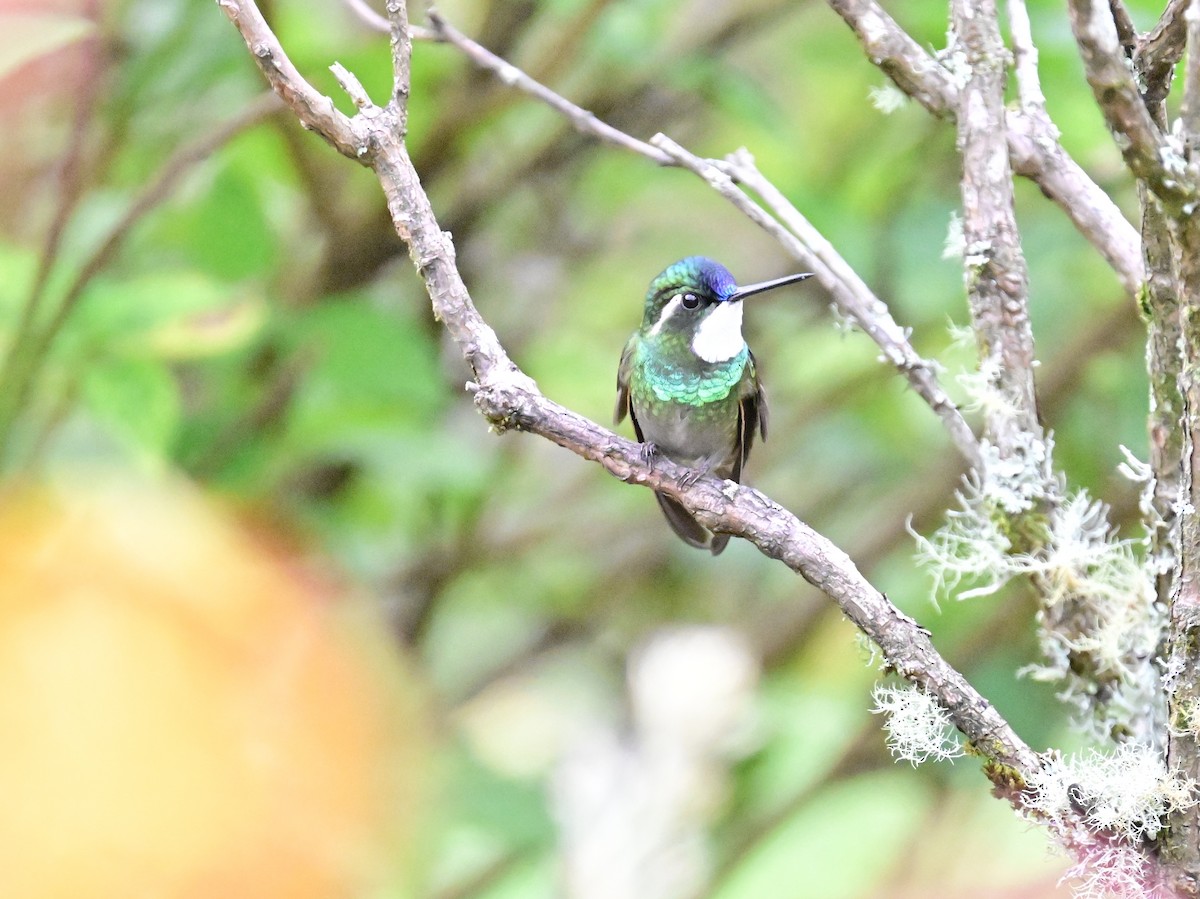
x,y
678,435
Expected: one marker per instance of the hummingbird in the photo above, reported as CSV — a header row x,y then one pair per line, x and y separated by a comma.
x,y
689,383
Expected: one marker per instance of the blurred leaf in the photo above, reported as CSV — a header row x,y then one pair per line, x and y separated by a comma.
x,y
225,233
156,313
137,399
373,372
837,846
16,272
207,332
26,36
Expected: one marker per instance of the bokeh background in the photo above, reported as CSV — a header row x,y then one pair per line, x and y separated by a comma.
x,y
586,699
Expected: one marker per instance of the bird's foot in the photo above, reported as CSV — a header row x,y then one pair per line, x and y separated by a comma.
x,y
649,453
691,476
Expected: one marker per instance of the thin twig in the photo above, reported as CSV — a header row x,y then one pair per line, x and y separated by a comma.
x,y
1025,57
1126,31
367,15
401,42
315,110
373,20
1038,157
858,303
70,188
901,58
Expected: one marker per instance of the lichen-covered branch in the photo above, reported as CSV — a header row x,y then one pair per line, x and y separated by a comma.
x,y
1033,145
1146,151
1159,51
996,278
1183,640
1183,644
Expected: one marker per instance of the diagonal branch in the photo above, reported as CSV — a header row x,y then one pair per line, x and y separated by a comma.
x,y
510,399
315,111
900,57
856,300
584,121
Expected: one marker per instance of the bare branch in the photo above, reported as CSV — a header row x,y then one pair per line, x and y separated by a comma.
x,y
1034,151
900,57
858,303
1039,157
1025,56
1126,31
367,15
376,22
315,111
351,85
1189,113
779,535
852,296
401,42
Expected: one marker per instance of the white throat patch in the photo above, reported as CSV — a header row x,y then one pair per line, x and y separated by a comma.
x,y
719,337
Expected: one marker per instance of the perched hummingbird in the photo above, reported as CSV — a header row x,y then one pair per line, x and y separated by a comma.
x,y
689,383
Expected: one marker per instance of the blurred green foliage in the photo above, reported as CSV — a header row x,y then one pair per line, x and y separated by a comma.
x,y
263,331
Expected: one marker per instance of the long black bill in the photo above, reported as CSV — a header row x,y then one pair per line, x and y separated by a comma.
x,y
751,289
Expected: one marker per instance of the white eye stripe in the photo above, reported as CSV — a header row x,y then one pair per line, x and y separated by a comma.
x,y
667,311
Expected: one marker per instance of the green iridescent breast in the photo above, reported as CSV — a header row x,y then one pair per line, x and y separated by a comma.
x,y
683,378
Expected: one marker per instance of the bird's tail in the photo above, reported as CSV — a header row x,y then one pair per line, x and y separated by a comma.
x,y
689,530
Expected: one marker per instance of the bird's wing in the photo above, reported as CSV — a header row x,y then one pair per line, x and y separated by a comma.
x,y
752,416
624,374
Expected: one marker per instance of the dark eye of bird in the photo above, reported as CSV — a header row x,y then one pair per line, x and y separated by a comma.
x,y
690,301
